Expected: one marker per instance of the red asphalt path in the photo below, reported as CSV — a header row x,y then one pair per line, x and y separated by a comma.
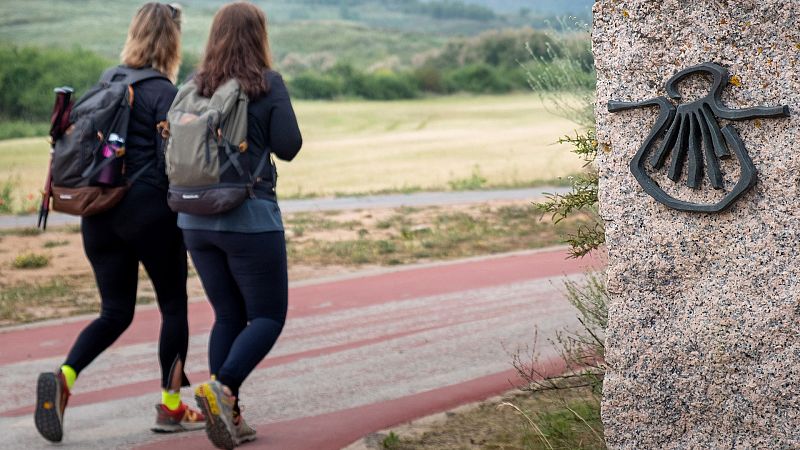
x,y
56,339
335,429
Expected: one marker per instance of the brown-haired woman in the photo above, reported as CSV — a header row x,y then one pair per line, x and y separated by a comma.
x,y
140,228
240,255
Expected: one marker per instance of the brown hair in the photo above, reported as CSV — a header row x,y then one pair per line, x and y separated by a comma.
x,y
154,39
238,47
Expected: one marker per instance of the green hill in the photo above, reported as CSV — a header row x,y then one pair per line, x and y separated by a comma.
x,y
313,33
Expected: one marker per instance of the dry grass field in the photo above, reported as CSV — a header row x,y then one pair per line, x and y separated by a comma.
x,y
359,147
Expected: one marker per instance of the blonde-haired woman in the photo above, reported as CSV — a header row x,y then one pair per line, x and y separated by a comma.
x,y
140,228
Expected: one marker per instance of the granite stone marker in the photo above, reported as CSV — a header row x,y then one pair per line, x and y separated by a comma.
x,y
703,343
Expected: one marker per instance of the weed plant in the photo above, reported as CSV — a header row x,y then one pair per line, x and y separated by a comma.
x,y
30,260
582,351
53,244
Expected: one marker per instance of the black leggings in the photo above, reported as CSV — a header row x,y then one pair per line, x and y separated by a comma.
x,y
244,276
140,228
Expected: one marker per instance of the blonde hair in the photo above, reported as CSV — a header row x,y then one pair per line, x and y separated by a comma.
x,y
154,39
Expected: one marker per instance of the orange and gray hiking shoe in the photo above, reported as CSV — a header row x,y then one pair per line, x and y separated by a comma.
x,y
184,418
216,402
52,395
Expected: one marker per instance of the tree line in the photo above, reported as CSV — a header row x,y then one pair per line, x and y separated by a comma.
x,y
490,63
493,62
438,9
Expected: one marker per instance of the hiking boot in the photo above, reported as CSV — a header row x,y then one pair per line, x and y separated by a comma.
x,y
52,395
216,402
184,418
244,432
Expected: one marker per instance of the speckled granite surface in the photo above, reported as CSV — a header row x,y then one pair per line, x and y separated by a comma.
x,y
704,329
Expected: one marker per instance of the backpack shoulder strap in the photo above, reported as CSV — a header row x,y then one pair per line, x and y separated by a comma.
x,y
127,75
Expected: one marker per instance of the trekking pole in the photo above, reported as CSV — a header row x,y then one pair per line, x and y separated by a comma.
x,y
59,122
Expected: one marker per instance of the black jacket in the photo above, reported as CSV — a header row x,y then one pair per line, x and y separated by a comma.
x,y
151,101
271,124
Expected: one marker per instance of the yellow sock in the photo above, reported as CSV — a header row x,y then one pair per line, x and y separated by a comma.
x,y
69,375
171,400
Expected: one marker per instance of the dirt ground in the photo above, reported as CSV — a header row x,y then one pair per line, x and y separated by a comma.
x,y
64,246
320,244
67,259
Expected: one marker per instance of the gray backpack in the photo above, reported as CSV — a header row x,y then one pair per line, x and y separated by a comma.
x,y
88,165
207,162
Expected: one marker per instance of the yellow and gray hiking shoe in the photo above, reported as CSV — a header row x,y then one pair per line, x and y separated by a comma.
x,y
244,432
216,402
52,395
184,418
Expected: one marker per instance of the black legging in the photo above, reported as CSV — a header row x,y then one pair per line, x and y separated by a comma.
x,y
244,276
140,228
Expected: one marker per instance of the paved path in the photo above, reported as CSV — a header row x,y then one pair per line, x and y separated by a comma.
x,y
359,354
343,203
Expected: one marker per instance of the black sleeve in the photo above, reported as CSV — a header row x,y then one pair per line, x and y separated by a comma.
x,y
284,133
164,96
163,100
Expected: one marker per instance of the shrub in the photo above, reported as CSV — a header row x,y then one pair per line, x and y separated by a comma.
x,y
52,244
12,201
429,79
582,351
30,261
504,48
474,182
6,197
311,85
344,79
572,73
581,199
11,129
28,76
478,78
387,86
189,63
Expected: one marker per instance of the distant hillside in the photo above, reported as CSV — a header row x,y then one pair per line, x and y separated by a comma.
x,y
546,7
304,33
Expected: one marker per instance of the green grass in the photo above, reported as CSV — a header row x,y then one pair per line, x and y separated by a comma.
x,y
20,232
30,260
390,441
563,428
359,147
473,182
542,422
53,244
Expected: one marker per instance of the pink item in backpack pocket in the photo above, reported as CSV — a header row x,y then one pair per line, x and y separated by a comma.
x,y
111,174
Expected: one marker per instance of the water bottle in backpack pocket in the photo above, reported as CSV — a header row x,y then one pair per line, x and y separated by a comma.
x,y
110,160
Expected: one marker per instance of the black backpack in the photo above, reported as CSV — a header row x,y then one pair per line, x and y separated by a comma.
x,y
88,165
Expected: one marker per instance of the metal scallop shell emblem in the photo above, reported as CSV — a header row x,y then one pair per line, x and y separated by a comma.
x,y
689,137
